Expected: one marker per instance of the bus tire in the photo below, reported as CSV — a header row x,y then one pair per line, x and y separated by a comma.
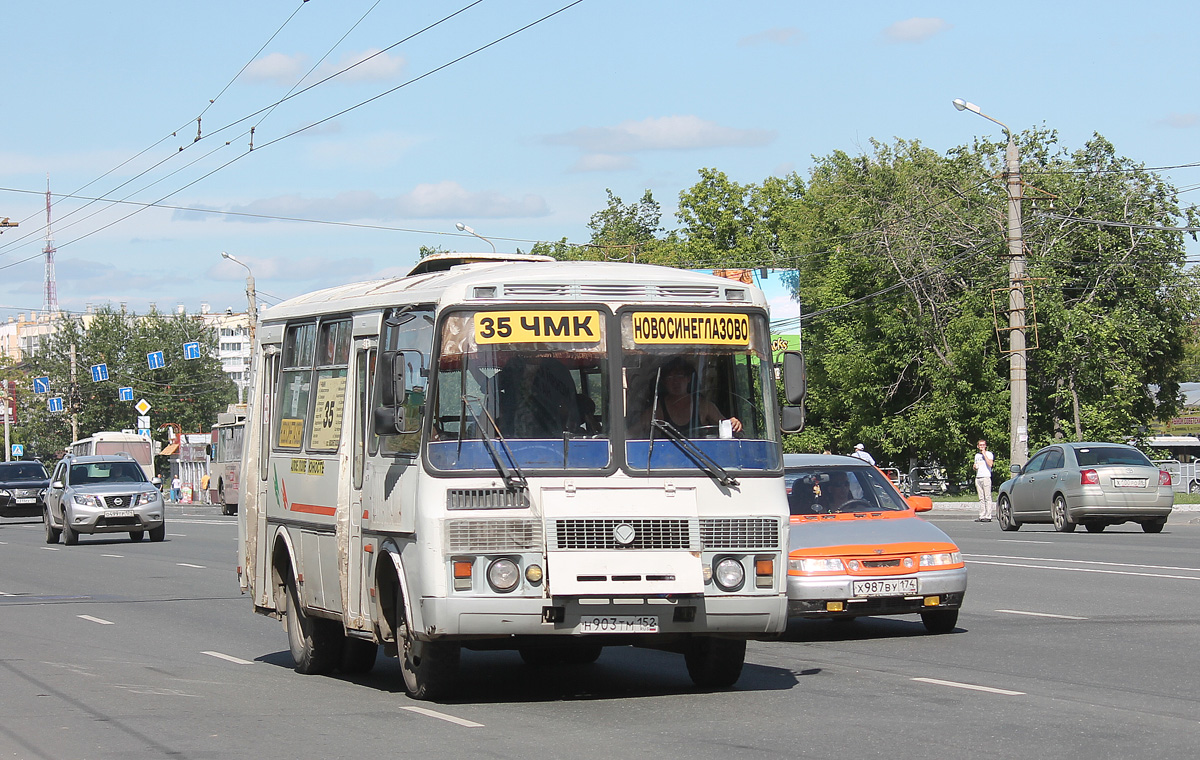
x,y
358,656
315,643
430,668
715,663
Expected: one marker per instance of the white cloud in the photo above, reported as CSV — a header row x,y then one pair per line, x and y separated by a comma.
x,y
290,269
661,133
915,29
381,67
277,68
778,36
441,200
603,162
1179,121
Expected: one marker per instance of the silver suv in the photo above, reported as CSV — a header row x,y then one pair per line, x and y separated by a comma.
x,y
103,494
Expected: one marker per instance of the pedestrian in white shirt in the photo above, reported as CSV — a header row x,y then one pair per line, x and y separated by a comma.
x,y
860,452
983,480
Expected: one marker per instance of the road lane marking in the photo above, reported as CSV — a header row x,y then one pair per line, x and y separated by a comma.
x,y
118,556
51,548
5,593
442,716
1023,541
1043,614
1091,570
101,621
185,564
228,658
1087,562
971,686
177,535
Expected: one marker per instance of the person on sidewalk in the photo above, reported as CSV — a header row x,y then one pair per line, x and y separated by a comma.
x,y
983,480
860,452
176,487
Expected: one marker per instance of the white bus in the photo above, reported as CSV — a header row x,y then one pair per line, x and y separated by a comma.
x,y
139,447
493,453
225,464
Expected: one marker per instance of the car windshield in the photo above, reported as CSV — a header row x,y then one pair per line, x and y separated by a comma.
x,y
529,387
106,472
701,376
1095,455
830,490
22,471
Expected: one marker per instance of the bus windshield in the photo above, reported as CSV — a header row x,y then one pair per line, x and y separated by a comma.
x,y
529,386
701,376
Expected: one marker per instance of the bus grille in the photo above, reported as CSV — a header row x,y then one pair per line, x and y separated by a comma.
x,y
487,498
599,534
737,533
493,535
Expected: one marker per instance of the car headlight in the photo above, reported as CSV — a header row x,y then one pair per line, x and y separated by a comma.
x,y
941,558
503,575
87,500
145,498
817,565
729,574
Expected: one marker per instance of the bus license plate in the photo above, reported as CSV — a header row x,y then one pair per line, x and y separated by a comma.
x,y
887,587
118,513
619,624
1129,483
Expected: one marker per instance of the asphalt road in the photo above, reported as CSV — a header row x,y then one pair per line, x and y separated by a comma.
x,y
1073,646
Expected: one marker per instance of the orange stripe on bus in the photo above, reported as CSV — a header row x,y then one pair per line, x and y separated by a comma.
x,y
313,509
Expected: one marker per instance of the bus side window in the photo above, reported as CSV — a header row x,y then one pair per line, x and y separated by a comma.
x,y
410,332
295,384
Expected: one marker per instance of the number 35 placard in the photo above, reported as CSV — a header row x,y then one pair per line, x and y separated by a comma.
x,y
327,415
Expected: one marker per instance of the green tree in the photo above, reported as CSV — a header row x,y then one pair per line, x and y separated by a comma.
x,y
187,393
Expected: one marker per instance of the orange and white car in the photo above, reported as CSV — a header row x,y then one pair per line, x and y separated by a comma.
x,y
858,548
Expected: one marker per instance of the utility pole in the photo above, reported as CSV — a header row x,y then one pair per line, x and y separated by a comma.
x,y
74,410
1018,388
7,420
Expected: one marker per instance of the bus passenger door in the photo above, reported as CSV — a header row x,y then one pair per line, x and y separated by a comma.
x,y
360,560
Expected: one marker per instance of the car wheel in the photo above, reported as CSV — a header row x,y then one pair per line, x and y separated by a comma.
x,y
52,533
315,643
1004,515
940,621
1095,527
715,663
1062,521
70,536
158,534
1194,487
136,535
1153,526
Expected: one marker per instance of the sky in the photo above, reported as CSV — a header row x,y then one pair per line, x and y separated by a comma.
x,y
510,116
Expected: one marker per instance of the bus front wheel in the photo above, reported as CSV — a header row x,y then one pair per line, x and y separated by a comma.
x,y
430,668
715,663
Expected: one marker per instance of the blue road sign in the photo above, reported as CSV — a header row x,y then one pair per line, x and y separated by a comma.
x,y
191,350
18,450
41,385
99,373
55,404
125,394
155,360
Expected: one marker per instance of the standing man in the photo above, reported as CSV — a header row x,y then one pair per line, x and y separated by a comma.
x,y
983,480
860,452
176,486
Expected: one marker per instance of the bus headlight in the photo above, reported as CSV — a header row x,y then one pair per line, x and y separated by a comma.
x,y
503,575
729,574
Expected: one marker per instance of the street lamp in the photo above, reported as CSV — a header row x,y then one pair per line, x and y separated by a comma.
x,y
251,299
464,228
1018,426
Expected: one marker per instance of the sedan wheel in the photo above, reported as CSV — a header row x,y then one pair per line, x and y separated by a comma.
x,y
1153,526
1095,527
1062,521
940,621
1004,515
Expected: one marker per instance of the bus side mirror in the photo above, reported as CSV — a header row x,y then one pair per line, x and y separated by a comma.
x,y
391,378
795,386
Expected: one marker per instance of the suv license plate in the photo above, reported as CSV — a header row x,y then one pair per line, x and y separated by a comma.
x,y
118,513
887,587
619,624
1129,482
25,500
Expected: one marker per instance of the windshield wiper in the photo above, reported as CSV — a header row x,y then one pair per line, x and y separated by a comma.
x,y
514,478
706,463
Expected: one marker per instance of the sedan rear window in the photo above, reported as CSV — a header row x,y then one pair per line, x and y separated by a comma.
x,y
1096,455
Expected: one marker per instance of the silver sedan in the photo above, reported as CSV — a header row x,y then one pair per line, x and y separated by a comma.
x,y
1089,484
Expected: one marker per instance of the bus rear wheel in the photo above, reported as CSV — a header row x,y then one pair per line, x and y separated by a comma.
x,y
315,643
715,663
